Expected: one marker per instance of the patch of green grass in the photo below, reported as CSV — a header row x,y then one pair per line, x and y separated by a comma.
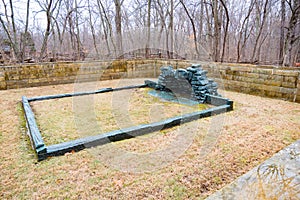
x,y
226,148
179,191
269,128
94,180
176,190
243,160
25,145
288,137
21,115
217,180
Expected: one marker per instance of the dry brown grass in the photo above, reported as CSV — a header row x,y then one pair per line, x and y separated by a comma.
x,y
256,129
59,119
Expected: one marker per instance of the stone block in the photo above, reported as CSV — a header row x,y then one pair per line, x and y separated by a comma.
x,y
2,77
3,85
227,77
288,97
289,84
203,82
271,94
293,73
298,90
14,84
251,75
262,71
190,69
196,66
291,79
239,68
186,83
297,99
287,90
201,72
30,81
272,82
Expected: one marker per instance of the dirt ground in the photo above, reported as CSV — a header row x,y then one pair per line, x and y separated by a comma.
x,y
193,160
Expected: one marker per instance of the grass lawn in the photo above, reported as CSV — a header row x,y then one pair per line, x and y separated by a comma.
x,y
67,119
223,147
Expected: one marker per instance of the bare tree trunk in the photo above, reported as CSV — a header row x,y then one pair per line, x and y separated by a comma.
x,y
60,38
259,47
69,17
49,12
201,21
226,29
297,52
160,10
282,24
53,41
107,27
118,23
245,22
6,29
61,32
217,31
291,35
193,27
171,30
24,38
12,37
148,29
92,29
261,26
77,34
17,53
209,29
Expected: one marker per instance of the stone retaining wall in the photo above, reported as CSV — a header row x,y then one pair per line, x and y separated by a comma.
x,y
30,75
282,83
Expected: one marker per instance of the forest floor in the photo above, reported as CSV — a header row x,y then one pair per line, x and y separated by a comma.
x,y
209,153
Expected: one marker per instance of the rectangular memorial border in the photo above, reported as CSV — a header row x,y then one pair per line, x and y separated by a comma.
x,y
43,151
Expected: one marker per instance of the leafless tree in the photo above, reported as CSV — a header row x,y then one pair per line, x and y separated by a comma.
x,y
282,25
261,17
257,31
292,37
148,29
118,24
226,29
244,34
10,28
193,26
216,12
49,7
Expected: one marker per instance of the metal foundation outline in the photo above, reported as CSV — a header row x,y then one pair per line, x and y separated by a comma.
x,y
43,151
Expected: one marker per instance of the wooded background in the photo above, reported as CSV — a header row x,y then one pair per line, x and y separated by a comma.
x,y
251,31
